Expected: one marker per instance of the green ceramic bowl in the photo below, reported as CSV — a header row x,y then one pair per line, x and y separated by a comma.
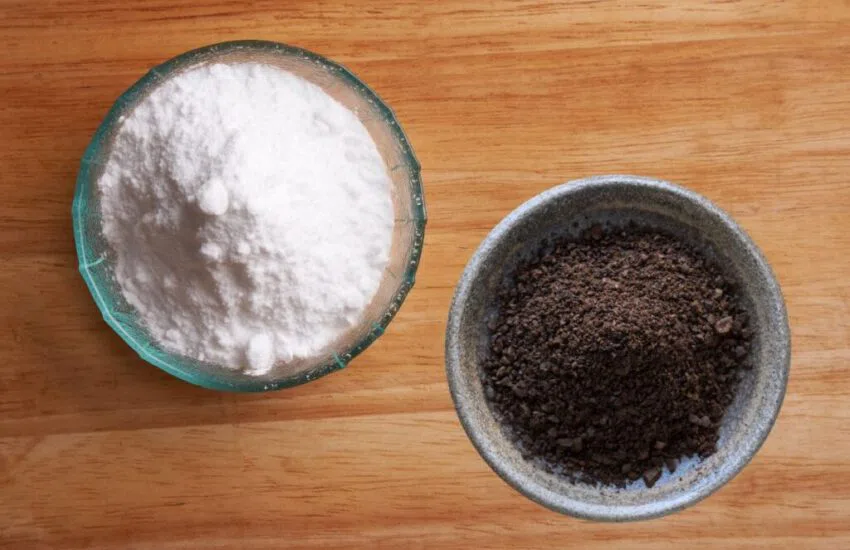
x,y
95,256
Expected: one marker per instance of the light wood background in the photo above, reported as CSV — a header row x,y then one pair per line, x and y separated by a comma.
x,y
745,102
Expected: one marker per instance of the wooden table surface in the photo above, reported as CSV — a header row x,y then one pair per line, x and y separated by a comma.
x,y
745,102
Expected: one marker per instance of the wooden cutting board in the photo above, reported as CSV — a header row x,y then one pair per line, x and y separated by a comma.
x,y
745,102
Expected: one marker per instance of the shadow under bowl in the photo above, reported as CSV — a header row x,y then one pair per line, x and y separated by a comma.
x,y
94,255
613,201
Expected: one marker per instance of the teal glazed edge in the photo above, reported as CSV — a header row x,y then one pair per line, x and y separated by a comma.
x,y
83,189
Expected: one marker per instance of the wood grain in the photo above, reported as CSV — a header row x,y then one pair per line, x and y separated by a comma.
x,y
744,101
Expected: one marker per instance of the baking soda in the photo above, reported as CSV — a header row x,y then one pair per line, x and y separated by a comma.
x,y
249,215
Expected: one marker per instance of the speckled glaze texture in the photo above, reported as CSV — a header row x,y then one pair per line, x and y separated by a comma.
x,y
614,201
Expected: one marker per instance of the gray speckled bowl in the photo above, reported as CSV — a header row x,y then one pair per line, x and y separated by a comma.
x,y
613,200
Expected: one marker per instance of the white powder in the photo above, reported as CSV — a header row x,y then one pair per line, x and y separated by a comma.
x,y
249,213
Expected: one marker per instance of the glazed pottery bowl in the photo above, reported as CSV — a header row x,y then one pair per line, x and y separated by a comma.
x,y
614,201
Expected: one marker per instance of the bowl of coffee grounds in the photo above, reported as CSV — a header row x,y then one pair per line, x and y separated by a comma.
x,y
617,348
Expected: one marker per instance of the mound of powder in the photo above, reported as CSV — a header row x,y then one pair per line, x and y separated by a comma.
x,y
249,215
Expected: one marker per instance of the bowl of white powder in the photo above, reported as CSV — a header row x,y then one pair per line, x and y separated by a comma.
x,y
249,216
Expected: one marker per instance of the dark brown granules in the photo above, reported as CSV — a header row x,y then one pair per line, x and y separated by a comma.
x,y
616,355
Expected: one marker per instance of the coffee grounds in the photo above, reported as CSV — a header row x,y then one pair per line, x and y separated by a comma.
x,y
615,355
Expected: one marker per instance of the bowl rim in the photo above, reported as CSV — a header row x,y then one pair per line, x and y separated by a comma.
x,y
556,501
85,180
